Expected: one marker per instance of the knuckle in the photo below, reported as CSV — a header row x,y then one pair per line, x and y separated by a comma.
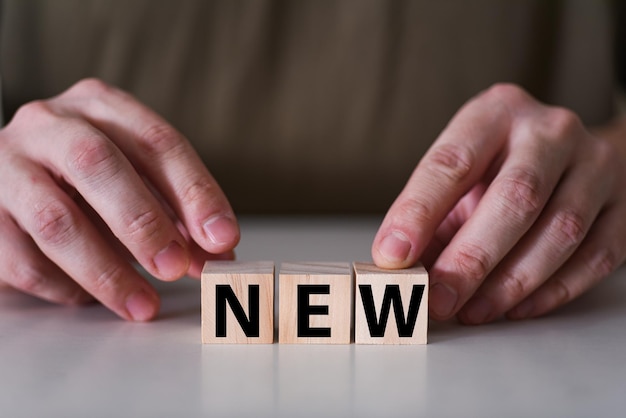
x,y
414,210
197,191
32,111
507,93
515,285
473,263
90,87
602,263
562,292
605,153
106,284
567,229
54,223
30,279
453,162
91,156
144,226
160,138
92,93
605,158
521,194
560,125
77,297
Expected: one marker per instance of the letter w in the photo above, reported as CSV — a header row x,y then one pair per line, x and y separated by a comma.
x,y
376,326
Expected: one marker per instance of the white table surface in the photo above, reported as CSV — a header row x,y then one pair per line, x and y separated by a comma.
x,y
85,362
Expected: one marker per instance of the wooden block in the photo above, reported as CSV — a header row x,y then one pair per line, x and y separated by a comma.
x,y
391,306
238,302
315,303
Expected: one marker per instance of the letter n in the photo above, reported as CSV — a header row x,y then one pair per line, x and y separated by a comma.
x,y
249,324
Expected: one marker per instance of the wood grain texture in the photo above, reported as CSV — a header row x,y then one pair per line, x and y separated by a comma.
x,y
375,281
239,276
334,283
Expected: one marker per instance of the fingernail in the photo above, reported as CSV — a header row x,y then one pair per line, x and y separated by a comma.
x,y
395,247
523,310
442,299
220,230
172,262
141,305
477,310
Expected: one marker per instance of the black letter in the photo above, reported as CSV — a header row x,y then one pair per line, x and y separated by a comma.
x,y
305,310
224,292
392,293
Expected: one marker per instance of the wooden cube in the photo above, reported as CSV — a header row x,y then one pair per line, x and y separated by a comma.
x,y
391,306
238,302
315,303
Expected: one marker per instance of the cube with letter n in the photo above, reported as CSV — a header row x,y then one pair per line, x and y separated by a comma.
x,y
238,302
391,306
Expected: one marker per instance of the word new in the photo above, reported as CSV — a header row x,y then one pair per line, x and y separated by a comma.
x,y
318,303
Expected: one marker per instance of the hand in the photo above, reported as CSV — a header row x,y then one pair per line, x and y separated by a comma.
x,y
516,209
91,175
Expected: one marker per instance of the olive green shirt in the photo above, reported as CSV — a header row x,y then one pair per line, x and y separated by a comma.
x,y
312,106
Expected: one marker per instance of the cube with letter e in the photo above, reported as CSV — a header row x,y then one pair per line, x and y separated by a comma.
x,y
315,303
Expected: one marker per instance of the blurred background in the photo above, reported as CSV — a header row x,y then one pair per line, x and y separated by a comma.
x,y
313,106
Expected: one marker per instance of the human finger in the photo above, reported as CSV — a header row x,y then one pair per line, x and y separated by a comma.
x,y
24,267
456,162
84,157
540,149
451,225
548,245
69,240
599,255
165,157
